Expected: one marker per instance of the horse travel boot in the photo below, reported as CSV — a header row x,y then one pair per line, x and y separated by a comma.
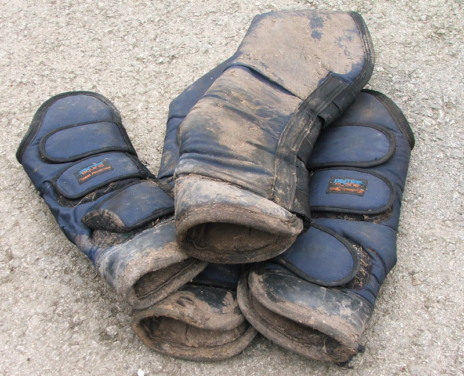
x,y
79,157
316,298
241,181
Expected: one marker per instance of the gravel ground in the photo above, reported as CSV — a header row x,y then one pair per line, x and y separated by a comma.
x,y
58,318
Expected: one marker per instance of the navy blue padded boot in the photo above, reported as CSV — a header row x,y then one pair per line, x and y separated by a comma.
x,y
241,181
79,157
316,298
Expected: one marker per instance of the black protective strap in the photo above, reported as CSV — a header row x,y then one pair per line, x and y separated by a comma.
x,y
304,123
301,202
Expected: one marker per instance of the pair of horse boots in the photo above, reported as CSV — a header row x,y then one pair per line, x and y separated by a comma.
x,y
316,298
79,157
201,321
241,181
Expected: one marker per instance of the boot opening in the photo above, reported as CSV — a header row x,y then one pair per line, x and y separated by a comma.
x,y
163,329
230,238
301,338
150,283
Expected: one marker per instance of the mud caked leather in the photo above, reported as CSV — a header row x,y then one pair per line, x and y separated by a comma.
x,y
241,181
79,157
201,321
316,298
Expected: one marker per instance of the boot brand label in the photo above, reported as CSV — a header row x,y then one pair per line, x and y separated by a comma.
x,y
93,170
349,186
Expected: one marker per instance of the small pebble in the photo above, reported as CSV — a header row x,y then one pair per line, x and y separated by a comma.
x,y
112,331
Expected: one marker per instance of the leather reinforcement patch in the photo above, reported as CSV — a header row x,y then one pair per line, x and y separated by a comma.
x,y
93,170
350,186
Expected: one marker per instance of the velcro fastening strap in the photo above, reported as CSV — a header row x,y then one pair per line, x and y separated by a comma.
x,y
350,190
322,256
130,208
352,145
75,142
94,172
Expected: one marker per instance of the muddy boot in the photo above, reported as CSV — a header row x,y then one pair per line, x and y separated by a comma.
x,y
79,157
241,181
201,321
316,298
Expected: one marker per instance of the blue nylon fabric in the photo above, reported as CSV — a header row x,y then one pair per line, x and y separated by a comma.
x,y
170,150
69,220
181,105
220,275
87,138
178,109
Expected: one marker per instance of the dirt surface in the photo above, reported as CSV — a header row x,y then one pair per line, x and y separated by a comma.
x,y
58,318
